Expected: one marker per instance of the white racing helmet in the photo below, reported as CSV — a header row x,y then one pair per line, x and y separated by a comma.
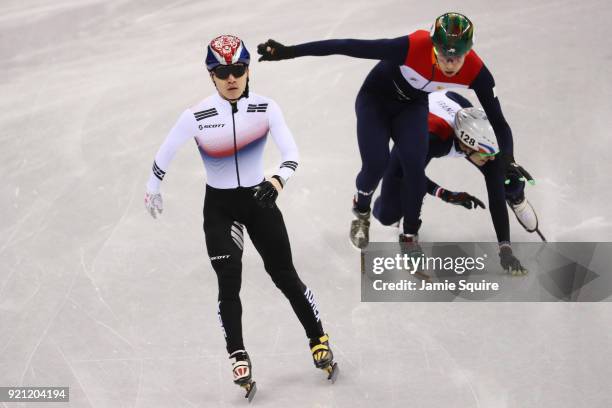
x,y
473,130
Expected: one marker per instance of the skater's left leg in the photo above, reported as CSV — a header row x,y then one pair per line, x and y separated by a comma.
x,y
410,134
266,228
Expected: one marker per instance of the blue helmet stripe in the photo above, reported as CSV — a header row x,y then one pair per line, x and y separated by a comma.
x,y
488,148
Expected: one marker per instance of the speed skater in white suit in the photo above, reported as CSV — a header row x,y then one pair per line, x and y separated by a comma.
x,y
230,129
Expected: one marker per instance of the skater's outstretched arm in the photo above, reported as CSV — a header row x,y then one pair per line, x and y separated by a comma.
x,y
394,49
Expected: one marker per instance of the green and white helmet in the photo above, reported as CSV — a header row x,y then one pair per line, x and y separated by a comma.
x,y
452,34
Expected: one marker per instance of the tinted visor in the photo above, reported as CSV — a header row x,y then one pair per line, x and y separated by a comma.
x,y
449,53
224,71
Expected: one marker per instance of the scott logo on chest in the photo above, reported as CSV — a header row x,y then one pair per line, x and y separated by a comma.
x,y
212,125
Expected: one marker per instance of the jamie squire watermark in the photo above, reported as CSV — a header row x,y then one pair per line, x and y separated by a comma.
x,y
425,285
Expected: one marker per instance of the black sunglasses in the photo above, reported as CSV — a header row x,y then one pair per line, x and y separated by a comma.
x,y
224,71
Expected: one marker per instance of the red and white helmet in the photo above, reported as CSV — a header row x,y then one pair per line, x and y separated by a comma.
x,y
226,50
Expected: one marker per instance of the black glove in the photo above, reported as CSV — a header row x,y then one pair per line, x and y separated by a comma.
x,y
514,170
464,199
509,262
275,51
265,194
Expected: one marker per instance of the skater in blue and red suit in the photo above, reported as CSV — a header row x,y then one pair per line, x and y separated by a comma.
x,y
459,130
392,104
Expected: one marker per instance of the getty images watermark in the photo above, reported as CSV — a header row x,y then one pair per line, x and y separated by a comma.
x,y
423,266
462,271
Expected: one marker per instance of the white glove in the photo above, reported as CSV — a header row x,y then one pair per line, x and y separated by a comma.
x,y
153,203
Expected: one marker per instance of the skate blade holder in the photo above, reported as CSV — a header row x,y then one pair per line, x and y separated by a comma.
x,y
332,372
251,389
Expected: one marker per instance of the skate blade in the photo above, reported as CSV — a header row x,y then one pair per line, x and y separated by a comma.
x,y
251,389
362,258
332,372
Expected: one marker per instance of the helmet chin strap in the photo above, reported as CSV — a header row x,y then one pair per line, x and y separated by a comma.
x,y
460,146
245,94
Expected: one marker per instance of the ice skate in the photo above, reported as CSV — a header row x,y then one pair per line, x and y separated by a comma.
x,y
360,228
526,215
323,357
241,368
409,244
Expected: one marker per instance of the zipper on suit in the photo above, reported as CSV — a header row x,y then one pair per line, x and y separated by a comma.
x,y
234,110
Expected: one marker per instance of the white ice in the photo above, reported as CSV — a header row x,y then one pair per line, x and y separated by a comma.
x,y
98,296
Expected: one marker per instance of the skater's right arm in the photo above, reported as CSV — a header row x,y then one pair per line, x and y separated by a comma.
x,y
184,129
463,199
432,186
394,50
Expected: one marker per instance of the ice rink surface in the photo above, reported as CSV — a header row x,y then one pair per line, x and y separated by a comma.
x,y
98,296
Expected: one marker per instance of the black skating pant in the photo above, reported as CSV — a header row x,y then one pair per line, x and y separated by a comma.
x,y
226,213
